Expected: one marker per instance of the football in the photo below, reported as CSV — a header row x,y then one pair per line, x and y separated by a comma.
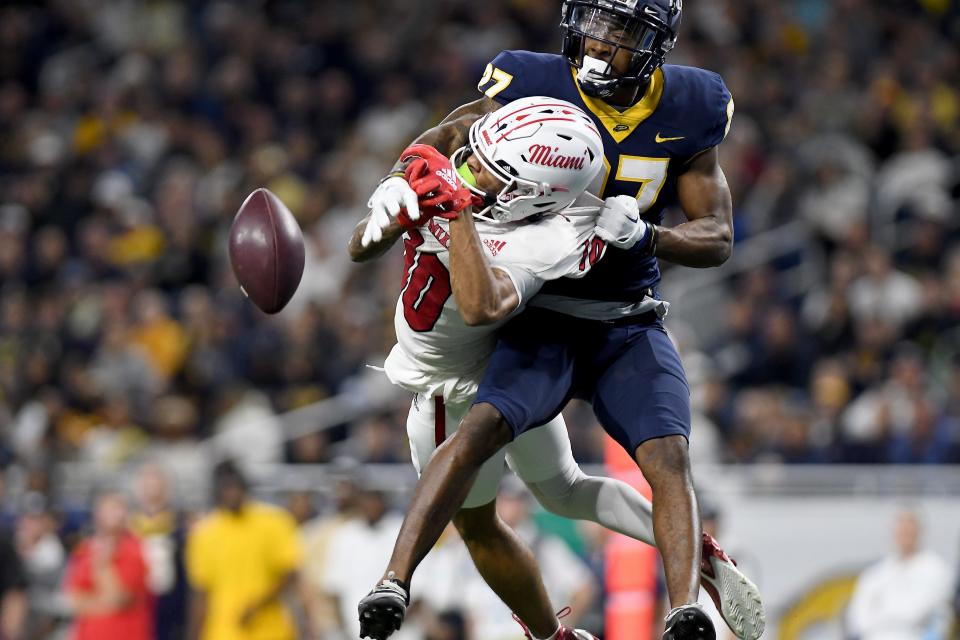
x,y
266,251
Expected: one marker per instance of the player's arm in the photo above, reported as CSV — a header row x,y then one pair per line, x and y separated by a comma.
x,y
451,133
484,293
395,202
284,584
197,614
706,239
374,248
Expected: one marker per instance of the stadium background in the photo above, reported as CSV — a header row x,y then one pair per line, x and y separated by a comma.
x,y
825,357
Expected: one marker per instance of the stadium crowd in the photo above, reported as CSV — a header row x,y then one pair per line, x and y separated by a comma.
x,y
130,132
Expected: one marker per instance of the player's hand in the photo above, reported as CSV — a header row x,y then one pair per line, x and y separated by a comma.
x,y
436,197
619,223
435,181
390,199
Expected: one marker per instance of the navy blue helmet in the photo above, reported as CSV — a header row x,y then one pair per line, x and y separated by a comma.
x,y
645,28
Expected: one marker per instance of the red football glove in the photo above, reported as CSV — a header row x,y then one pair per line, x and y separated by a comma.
x,y
433,178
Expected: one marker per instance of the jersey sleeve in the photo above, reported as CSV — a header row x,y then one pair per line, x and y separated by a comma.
x,y
560,246
584,247
524,281
700,110
508,77
720,106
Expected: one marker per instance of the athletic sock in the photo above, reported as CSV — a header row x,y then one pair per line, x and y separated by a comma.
x,y
609,502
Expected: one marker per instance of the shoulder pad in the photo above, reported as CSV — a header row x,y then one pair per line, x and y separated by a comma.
x,y
700,99
518,74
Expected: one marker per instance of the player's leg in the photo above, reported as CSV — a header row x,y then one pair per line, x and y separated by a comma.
x,y
504,561
522,387
430,423
652,422
444,484
494,548
542,458
508,566
544,461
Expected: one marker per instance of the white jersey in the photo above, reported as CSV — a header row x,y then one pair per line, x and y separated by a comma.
x,y
437,354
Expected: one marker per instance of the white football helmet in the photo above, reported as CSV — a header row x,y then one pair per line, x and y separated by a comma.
x,y
546,151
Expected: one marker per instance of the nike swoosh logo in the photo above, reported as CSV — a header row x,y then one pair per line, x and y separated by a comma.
x,y
633,220
660,139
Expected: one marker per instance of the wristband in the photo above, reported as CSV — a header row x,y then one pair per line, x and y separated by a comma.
x,y
654,237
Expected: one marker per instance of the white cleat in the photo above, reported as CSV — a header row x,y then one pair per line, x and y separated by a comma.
x,y
736,597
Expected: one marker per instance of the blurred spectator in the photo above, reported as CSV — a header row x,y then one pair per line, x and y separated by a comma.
x,y
106,581
248,430
241,600
357,551
884,293
317,535
162,534
906,595
44,560
13,592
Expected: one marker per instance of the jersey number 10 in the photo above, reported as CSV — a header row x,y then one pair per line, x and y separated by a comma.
x,y
426,285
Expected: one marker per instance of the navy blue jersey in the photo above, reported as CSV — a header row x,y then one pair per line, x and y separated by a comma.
x,y
684,111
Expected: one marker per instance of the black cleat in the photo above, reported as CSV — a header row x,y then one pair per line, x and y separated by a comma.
x,y
689,622
382,610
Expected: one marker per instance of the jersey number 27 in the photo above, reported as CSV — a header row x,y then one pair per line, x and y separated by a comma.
x,y
650,173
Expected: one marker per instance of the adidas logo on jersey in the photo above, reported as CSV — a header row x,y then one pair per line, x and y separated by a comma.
x,y
495,246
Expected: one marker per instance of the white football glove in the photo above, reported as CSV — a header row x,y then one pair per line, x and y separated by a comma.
x,y
392,196
619,223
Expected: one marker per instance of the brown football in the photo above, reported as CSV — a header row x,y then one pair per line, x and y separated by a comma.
x,y
266,250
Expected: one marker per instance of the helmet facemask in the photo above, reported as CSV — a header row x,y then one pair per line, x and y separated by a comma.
x,y
642,35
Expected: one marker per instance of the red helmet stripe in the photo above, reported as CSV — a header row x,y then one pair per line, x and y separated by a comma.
x,y
521,126
541,105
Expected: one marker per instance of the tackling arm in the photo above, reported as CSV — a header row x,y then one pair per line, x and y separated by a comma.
x,y
706,239
484,294
446,137
451,133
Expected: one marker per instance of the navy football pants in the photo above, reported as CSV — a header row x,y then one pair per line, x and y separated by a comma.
x,y
630,374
